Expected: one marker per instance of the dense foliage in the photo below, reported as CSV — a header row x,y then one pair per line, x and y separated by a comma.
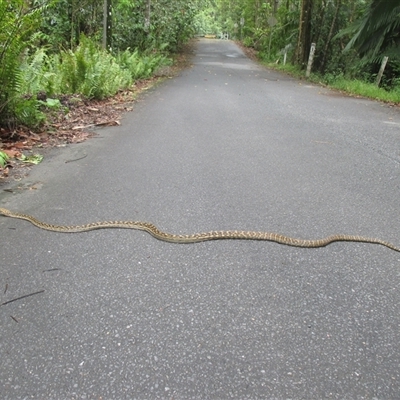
x,y
351,36
137,24
17,25
52,47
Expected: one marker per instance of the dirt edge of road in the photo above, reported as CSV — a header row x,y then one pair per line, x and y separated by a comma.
x,y
77,125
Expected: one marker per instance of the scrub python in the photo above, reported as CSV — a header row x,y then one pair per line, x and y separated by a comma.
x,y
198,237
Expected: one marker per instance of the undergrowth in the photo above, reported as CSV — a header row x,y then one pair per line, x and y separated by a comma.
x,y
365,89
16,31
141,66
88,71
340,82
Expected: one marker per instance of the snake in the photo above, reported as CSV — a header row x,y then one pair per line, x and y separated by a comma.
x,y
197,237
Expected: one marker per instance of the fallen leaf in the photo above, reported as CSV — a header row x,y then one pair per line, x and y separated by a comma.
x,y
19,145
80,127
108,123
12,153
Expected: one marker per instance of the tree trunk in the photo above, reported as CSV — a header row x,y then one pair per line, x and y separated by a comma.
x,y
330,35
107,24
321,21
304,40
147,16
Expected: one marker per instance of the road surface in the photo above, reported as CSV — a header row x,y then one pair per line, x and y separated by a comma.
x,y
227,144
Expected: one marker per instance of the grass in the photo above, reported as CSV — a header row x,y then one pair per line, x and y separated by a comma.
x,y
351,86
365,89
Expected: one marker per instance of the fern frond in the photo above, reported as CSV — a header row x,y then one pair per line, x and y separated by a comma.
x,y
17,22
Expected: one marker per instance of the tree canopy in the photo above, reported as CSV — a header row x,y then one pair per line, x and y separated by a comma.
x,y
378,31
351,36
53,46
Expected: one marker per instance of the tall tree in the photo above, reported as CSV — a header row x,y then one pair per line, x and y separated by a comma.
x,y
304,38
107,24
330,35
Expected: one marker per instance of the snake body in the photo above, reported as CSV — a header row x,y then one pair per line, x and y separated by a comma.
x,y
198,237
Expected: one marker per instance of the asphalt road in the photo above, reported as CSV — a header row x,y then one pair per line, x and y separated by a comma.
x,y
225,145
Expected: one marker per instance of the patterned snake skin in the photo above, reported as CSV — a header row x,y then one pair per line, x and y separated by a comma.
x,y
197,237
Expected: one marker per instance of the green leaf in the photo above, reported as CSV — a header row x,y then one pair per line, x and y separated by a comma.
x,y
53,103
3,159
33,159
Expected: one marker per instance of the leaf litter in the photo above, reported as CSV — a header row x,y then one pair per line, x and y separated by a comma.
x,y
73,122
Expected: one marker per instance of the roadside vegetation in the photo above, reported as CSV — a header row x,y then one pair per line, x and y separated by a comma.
x,y
351,38
53,48
352,86
63,61
60,60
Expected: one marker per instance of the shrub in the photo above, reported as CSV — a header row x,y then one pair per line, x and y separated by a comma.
x,y
141,66
17,23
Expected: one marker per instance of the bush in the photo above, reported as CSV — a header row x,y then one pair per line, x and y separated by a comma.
x,y
88,70
17,23
141,66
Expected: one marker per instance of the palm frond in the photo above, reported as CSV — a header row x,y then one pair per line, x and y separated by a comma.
x,y
376,30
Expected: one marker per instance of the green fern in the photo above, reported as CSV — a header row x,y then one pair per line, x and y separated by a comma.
x,y
27,112
17,22
3,159
141,66
32,69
